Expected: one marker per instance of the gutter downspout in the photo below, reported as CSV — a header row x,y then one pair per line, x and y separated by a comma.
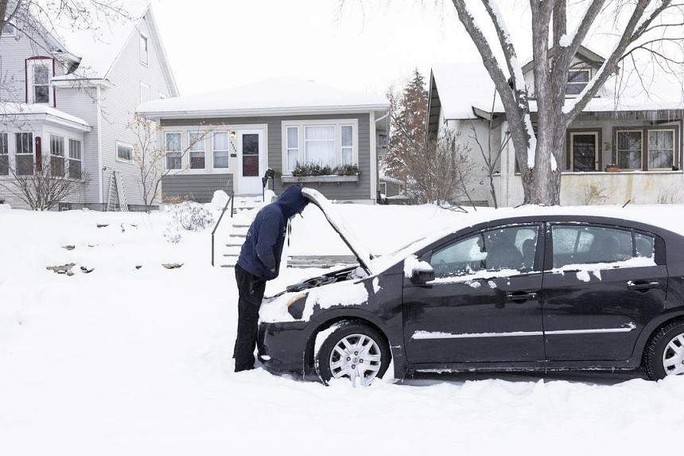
x,y
374,154
100,167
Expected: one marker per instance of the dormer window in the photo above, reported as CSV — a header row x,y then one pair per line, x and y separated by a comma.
x,y
39,72
577,81
144,50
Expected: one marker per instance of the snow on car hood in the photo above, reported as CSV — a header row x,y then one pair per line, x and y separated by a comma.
x,y
363,255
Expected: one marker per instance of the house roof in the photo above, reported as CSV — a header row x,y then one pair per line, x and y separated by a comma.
x,y
279,96
99,49
583,53
33,111
464,88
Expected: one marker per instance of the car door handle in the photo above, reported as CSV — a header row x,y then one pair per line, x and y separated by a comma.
x,y
642,285
521,296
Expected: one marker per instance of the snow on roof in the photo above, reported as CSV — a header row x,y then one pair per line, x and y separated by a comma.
x,y
99,48
462,87
23,109
272,96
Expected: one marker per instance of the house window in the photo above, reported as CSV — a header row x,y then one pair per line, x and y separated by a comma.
x,y
292,147
4,155
173,144
221,150
57,155
661,149
9,30
331,143
24,153
577,81
74,159
144,51
41,82
124,151
197,153
629,150
347,144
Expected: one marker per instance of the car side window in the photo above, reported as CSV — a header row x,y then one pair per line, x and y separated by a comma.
x,y
586,244
509,248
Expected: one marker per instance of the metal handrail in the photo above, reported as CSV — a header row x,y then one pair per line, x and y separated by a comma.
x,y
230,201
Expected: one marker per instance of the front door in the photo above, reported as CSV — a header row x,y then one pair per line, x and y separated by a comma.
x,y
484,304
584,151
251,162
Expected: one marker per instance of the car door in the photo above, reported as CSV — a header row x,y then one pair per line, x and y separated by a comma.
x,y
483,304
602,285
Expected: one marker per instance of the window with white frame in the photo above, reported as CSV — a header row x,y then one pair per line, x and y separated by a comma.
x,y
75,159
292,153
41,71
661,149
4,155
173,147
24,153
124,151
144,50
221,147
647,149
196,149
57,155
327,143
577,81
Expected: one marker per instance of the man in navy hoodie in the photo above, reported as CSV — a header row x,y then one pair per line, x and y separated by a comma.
x,y
259,261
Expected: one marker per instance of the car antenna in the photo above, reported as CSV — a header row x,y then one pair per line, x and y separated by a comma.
x,y
628,201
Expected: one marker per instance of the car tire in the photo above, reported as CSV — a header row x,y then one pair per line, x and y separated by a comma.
x,y
355,351
664,355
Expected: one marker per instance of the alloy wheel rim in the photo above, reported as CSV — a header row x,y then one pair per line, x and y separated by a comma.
x,y
673,356
357,357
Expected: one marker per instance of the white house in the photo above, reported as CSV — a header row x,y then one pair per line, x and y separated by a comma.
x,y
634,123
69,95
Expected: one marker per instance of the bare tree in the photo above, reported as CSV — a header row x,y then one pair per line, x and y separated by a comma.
x,y
490,152
46,183
639,25
151,157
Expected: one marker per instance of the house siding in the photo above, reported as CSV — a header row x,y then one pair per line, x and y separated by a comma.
x,y
360,190
198,188
119,104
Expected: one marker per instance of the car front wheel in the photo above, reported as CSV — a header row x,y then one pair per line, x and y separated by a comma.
x,y
665,352
354,351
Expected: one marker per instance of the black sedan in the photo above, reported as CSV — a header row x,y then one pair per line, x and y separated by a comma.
x,y
522,293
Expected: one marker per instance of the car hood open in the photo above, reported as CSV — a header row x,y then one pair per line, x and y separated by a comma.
x,y
363,255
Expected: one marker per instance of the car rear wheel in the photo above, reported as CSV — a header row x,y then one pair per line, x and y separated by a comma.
x,y
354,351
665,352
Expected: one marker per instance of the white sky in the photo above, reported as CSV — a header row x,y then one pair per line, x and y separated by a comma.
x,y
362,45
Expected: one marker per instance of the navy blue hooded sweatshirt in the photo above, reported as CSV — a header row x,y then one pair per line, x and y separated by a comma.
x,y
261,252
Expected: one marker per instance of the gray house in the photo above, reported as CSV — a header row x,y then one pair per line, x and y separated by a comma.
x,y
624,146
68,96
228,140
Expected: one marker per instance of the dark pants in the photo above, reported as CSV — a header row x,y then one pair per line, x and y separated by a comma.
x,y
251,289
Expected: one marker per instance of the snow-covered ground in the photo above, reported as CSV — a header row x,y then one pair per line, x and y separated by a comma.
x,y
135,359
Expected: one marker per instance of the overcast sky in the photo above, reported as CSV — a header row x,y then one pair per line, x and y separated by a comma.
x,y
362,45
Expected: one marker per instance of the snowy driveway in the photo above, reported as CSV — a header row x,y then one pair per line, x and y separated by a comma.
x,y
137,362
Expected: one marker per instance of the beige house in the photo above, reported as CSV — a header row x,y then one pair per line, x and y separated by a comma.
x,y
625,145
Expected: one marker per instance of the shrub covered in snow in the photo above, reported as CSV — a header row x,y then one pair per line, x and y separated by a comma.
x,y
192,216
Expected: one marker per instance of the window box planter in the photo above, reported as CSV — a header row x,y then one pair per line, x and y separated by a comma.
x,y
327,178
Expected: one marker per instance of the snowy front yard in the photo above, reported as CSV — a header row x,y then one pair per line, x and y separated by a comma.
x,y
135,359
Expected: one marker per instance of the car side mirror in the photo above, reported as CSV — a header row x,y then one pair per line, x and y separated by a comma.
x,y
422,273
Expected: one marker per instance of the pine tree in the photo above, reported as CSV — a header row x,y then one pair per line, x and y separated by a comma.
x,y
408,128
